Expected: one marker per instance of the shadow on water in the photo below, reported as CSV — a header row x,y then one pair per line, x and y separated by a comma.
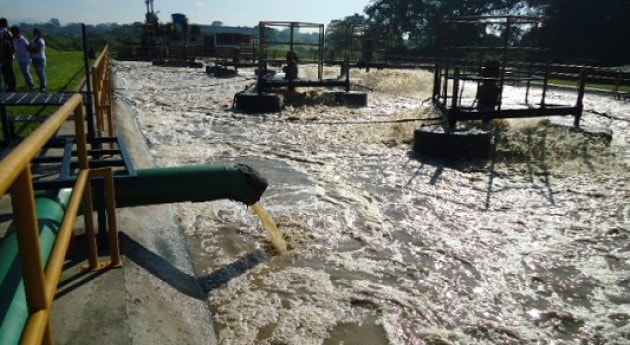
x,y
534,153
193,286
433,168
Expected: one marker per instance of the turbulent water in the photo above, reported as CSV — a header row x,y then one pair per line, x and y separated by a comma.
x,y
529,247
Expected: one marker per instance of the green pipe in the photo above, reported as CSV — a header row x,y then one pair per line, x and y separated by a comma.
x,y
51,208
199,183
151,186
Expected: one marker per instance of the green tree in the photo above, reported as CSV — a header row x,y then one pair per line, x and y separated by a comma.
x,y
340,35
597,31
420,21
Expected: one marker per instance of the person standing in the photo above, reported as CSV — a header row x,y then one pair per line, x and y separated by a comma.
x,y
23,55
38,56
7,50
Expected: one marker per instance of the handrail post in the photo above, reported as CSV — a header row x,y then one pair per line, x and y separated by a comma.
x,y
88,218
110,203
90,233
110,200
23,202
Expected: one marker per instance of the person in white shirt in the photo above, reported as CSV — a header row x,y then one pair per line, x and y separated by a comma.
x,y
38,56
23,55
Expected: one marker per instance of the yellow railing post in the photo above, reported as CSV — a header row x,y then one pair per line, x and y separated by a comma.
x,y
110,199
79,128
88,217
110,193
90,233
23,202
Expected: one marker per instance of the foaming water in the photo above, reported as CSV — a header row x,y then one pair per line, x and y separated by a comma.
x,y
531,246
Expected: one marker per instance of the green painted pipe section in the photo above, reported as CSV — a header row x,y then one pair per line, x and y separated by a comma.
x,y
238,182
199,183
51,208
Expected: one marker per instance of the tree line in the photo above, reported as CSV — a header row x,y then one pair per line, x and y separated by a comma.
x,y
582,31
578,31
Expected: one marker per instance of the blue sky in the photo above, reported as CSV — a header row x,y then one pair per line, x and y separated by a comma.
x,y
230,12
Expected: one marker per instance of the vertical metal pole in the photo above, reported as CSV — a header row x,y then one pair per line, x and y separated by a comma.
x,y
98,192
531,62
506,43
545,83
109,92
455,99
88,85
6,130
262,61
346,62
528,85
88,218
580,100
436,83
447,60
618,82
88,221
23,202
114,250
291,36
320,69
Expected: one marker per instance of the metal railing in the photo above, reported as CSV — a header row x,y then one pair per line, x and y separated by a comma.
x,y
101,75
40,282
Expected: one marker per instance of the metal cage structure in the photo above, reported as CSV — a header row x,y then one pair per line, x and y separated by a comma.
x,y
292,44
493,53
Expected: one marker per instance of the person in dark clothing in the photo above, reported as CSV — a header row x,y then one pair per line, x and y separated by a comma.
x,y
291,69
7,52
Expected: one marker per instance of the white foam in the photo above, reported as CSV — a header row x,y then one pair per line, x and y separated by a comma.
x,y
422,251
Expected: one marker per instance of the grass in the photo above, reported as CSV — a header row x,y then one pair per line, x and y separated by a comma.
x,y
65,73
64,70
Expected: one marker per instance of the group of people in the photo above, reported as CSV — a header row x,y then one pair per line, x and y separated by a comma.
x,y
12,44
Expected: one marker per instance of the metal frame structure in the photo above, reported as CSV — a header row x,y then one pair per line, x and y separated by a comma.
x,y
41,282
265,82
461,63
86,165
59,155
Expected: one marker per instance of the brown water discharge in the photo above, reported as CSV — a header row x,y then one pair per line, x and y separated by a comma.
x,y
276,237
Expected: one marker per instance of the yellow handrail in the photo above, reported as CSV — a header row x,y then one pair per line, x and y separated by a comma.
x,y
15,176
102,90
58,255
38,327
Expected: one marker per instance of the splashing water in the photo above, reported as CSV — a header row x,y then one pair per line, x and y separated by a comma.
x,y
532,247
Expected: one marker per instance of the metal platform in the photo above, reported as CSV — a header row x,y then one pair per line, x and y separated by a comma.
x,y
26,99
57,164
